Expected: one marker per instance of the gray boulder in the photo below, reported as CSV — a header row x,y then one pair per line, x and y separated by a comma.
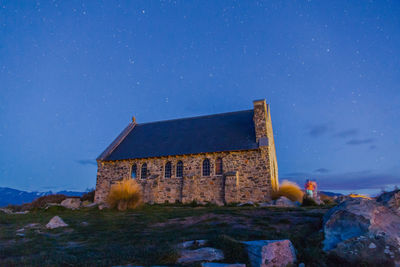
x,y
268,253
202,254
359,230
391,200
71,203
56,222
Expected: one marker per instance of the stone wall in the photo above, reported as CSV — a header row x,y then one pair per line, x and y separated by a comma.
x,y
246,177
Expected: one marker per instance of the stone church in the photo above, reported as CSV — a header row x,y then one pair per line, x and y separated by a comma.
x,y
221,158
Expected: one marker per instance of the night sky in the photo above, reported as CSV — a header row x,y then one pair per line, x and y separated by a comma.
x,y
73,73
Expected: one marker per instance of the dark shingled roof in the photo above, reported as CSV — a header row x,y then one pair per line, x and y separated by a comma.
x,y
214,133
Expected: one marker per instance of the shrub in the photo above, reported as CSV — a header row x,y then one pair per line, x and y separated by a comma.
x,y
88,196
125,194
309,202
290,190
41,202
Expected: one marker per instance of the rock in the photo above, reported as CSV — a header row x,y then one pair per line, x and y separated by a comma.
x,y
56,222
71,203
267,253
201,254
391,200
217,264
248,203
266,204
6,211
302,264
285,202
88,204
84,223
192,243
102,206
356,226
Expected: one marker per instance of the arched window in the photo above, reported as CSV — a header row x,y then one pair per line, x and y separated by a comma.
x,y
133,171
218,166
206,167
168,170
179,169
144,171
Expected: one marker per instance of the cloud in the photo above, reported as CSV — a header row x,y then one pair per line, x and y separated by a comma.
x,y
318,130
322,170
87,162
360,141
347,133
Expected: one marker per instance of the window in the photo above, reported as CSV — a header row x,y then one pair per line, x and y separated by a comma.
x,y
179,169
144,171
133,171
206,167
218,166
168,169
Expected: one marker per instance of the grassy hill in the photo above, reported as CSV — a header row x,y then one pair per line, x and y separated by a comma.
x,y
149,235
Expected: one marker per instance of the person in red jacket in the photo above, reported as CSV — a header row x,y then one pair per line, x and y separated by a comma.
x,y
309,187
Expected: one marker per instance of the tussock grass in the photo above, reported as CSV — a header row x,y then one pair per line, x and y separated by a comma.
x,y
290,190
125,194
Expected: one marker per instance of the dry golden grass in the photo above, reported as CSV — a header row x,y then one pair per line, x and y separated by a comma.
x,y
125,194
290,190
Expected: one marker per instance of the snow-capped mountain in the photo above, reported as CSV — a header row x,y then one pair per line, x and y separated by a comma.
x,y
17,197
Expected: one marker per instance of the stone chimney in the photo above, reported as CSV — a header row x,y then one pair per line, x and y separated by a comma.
x,y
260,121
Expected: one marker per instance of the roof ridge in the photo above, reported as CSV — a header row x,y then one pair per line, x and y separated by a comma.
x,y
195,117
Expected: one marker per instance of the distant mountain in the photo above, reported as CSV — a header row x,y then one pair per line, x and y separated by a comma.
x,y
330,194
18,197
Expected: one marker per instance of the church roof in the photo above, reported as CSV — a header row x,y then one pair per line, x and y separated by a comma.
x,y
213,133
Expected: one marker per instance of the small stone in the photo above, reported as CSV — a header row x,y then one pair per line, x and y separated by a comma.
x,y
201,254
248,203
372,245
102,206
302,264
56,222
192,243
71,203
84,223
20,234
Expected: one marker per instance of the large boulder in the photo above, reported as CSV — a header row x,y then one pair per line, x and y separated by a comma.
x,y
202,254
71,203
391,200
56,222
268,253
362,230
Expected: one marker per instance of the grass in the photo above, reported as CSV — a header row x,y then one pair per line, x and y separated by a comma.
x,y
149,234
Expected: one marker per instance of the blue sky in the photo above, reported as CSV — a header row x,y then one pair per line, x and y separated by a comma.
x,y
73,73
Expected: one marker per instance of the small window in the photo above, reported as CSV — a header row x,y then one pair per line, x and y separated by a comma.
x,y
168,169
206,167
133,171
179,169
218,166
144,171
